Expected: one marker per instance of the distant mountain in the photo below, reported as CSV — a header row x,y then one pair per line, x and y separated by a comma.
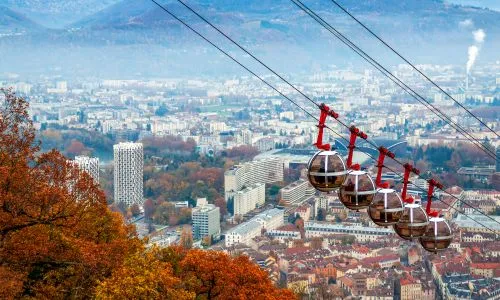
x,y
57,13
12,22
428,31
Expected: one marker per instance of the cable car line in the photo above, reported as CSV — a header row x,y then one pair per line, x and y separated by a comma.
x,y
266,82
392,77
274,72
231,57
291,85
423,190
412,65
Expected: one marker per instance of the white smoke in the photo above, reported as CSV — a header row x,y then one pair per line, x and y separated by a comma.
x,y
473,52
466,23
479,35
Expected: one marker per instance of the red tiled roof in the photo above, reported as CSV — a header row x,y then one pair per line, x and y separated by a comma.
x,y
485,266
378,259
296,250
288,227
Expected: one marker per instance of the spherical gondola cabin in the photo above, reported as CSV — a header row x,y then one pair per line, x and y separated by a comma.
x,y
326,171
358,189
437,236
413,222
387,207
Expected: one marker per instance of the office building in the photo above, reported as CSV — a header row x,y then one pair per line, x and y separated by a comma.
x,y
128,173
206,221
89,165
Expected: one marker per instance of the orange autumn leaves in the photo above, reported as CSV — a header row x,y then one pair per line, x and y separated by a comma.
x,y
58,238
174,273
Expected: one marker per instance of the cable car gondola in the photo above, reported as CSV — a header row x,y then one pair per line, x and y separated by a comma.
x,y
413,222
326,170
358,190
387,206
437,236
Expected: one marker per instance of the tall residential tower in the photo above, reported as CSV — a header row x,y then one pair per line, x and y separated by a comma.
x,y
89,165
129,162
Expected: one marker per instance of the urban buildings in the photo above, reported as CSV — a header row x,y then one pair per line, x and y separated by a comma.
x,y
257,171
362,234
296,191
249,198
89,165
128,173
246,137
245,232
206,221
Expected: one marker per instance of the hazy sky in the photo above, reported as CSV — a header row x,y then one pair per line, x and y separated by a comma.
x,y
491,4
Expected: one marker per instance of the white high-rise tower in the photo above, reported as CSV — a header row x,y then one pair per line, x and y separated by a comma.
x,y
129,163
89,165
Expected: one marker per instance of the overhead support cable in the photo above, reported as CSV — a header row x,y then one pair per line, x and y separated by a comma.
x,y
279,92
393,78
412,65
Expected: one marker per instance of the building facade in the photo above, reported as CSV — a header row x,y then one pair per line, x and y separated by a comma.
x,y
249,198
258,171
206,221
245,232
362,234
128,173
89,165
296,191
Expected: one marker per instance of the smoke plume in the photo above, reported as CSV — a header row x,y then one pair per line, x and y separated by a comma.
x,y
473,51
479,35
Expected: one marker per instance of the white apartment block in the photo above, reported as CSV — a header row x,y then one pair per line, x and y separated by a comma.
x,y
217,127
287,115
259,171
271,218
296,191
321,202
89,165
362,234
128,173
246,137
249,198
206,221
265,144
245,232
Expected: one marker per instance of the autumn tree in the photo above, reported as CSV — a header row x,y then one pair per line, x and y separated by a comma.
x,y
75,148
135,210
58,239
143,276
215,275
221,204
186,240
